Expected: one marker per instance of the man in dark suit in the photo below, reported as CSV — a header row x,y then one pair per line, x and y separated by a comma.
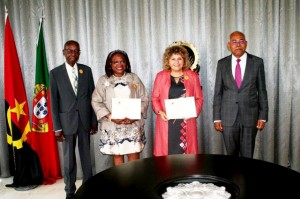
x,y
71,87
240,106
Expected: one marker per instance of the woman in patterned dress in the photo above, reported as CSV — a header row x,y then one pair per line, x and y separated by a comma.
x,y
176,80
123,136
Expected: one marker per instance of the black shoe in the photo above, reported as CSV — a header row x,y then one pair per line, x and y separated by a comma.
x,y
11,185
70,196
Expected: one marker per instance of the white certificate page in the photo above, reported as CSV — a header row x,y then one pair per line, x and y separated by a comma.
x,y
126,107
180,108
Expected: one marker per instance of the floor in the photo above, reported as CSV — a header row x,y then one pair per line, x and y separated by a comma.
x,y
54,191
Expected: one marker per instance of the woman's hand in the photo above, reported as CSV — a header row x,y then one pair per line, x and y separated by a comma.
x,y
117,121
128,121
125,121
163,115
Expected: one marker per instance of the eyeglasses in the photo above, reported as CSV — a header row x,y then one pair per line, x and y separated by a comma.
x,y
235,42
69,51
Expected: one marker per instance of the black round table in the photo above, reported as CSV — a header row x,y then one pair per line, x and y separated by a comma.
x,y
143,178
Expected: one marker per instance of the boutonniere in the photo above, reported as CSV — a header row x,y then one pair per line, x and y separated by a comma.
x,y
134,86
80,71
106,83
186,77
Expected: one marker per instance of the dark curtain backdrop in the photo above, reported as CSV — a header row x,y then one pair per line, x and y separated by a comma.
x,y
144,28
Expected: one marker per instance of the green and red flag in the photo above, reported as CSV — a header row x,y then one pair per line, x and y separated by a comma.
x,y
24,162
42,138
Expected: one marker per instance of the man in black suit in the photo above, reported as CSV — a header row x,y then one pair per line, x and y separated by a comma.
x,y
240,106
71,88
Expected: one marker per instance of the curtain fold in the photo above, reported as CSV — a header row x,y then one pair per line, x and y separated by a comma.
x,y
144,28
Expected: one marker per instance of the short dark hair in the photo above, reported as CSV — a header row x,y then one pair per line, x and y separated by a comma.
x,y
108,70
72,42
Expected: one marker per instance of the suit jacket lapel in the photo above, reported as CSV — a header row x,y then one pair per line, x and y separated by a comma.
x,y
66,76
80,77
247,74
228,69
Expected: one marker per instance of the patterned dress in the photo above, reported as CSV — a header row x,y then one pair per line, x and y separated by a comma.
x,y
119,139
177,127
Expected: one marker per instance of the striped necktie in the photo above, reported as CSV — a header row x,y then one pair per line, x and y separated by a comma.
x,y
75,82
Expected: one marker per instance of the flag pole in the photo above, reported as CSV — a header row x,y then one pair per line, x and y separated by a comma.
x,y
6,12
40,25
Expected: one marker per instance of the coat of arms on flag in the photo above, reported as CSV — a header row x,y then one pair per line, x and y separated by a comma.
x,y
40,109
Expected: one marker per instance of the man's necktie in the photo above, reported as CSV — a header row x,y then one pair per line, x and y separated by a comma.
x,y
238,74
75,83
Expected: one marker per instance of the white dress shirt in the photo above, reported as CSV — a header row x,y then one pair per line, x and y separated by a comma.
x,y
70,73
242,64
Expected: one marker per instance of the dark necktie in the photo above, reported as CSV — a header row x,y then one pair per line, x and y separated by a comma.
x,y
238,74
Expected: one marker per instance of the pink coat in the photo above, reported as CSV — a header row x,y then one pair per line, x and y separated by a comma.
x,y
160,92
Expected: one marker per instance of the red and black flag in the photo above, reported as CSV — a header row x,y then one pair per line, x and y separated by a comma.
x,y
24,162
42,138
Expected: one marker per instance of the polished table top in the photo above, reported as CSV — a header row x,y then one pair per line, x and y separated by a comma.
x,y
144,178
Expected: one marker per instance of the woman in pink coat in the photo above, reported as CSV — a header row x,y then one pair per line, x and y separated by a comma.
x,y
176,80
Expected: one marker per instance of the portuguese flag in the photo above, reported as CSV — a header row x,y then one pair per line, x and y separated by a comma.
x,y
24,162
42,138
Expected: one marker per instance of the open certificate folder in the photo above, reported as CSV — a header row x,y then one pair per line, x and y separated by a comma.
x,y
126,107
180,108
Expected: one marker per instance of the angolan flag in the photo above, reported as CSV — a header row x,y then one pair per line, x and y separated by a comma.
x,y
24,162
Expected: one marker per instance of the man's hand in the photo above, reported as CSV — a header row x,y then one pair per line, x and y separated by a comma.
x,y
260,124
94,129
218,126
59,136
